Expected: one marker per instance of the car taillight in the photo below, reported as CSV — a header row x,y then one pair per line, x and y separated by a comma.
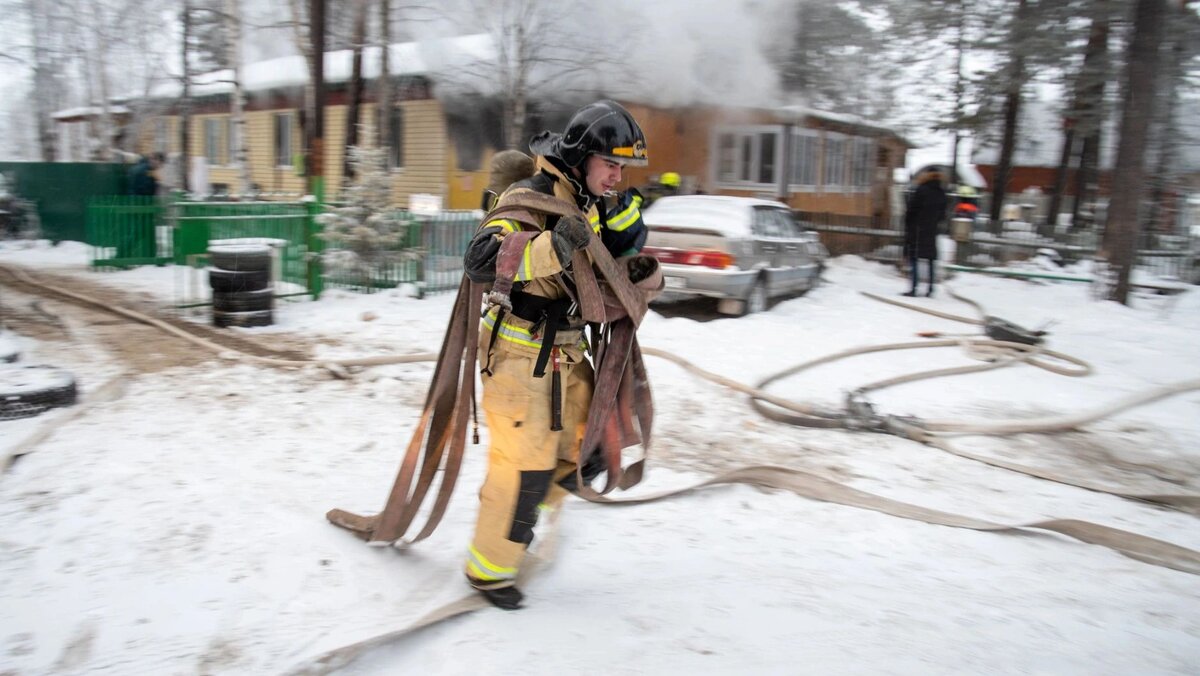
x,y
708,258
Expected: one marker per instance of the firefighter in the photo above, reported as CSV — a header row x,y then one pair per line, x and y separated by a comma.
x,y
531,466
967,203
667,185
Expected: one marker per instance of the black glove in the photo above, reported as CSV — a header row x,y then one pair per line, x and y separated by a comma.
x,y
641,267
569,235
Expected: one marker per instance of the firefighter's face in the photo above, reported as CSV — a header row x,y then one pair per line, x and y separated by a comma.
x,y
602,175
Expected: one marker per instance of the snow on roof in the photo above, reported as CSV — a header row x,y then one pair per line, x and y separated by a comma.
x,y
917,159
720,213
88,111
407,58
855,120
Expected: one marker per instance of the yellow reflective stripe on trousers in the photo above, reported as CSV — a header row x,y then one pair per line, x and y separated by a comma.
x,y
513,334
485,570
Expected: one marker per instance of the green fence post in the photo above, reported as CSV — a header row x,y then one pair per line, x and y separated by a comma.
x,y
316,245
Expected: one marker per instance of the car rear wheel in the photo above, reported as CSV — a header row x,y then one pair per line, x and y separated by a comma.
x,y
757,300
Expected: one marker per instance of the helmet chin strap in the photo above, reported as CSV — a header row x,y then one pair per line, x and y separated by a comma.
x,y
584,190
579,185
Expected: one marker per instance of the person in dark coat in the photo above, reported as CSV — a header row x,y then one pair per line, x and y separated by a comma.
x,y
925,212
141,178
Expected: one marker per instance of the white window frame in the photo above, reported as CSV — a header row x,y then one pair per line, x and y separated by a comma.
x,y
831,137
814,137
212,141
746,156
162,135
230,141
396,122
276,118
862,174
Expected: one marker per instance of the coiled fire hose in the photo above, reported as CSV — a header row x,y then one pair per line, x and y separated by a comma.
x,y
1149,550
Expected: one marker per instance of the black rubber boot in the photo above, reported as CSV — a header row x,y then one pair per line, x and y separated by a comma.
x,y
910,294
929,293
508,598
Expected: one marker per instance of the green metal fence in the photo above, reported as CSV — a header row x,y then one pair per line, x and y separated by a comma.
x,y
126,230
429,256
62,191
286,226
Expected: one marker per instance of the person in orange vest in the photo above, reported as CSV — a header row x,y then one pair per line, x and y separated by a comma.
x,y
967,204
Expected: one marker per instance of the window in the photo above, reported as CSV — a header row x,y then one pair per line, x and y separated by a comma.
x,y
746,159
726,158
835,161
766,158
396,131
162,139
804,158
862,151
283,139
747,156
231,137
212,141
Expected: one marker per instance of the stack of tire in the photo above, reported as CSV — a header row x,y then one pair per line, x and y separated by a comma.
x,y
27,391
240,277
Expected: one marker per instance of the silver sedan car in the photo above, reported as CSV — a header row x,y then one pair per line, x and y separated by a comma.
x,y
740,250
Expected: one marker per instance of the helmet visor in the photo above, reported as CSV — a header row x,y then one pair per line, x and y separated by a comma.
x,y
631,155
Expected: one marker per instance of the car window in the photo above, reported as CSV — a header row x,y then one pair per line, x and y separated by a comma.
x,y
790,224
767,223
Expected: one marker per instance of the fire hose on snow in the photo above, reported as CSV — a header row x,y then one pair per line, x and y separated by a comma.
x,y
858,415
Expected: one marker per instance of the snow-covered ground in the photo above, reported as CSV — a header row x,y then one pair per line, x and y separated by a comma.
x,y
179,528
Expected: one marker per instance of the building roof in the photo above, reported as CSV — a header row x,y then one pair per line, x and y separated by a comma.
x,y
848,120
406,58
86,112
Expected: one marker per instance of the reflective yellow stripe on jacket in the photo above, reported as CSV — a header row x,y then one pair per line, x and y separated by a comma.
x,y
621,221
525,271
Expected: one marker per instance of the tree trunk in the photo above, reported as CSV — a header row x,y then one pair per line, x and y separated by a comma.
x,y
100,42
1089,114
302,32
241,163
516,105
315,132
184,98
43,75
1161,217
383,96
1060,176
1012,113
1143,65
1087,183
959,88
356,88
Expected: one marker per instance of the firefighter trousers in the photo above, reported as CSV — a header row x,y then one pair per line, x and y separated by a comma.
x,y
526,459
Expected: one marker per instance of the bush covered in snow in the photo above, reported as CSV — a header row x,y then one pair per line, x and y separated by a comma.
x,y
365,233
